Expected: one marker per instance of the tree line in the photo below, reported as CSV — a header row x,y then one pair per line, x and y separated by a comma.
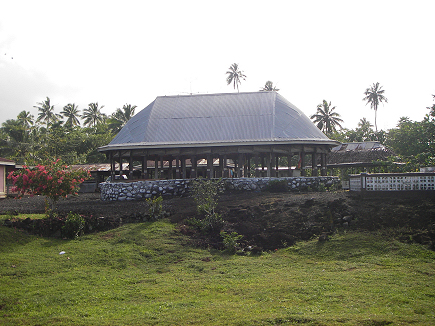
x,y
412,141
72,135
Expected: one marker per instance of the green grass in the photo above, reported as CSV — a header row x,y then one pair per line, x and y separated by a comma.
x,y
22,216
147,274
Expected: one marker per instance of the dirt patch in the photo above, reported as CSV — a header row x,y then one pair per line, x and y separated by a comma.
x,y
270,220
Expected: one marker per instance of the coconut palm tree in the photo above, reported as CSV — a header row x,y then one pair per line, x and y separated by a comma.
x,y
235,76
268,87
326,119
93,115
46,112
121,116
26,119
375,95
71,113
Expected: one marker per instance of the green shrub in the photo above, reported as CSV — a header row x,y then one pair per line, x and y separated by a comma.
x,y
230,241
155,207
205,194
74,226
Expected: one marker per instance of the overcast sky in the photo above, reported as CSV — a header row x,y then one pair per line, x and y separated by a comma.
x,y
118,52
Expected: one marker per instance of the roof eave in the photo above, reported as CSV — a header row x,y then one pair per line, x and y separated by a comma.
x,y
132,146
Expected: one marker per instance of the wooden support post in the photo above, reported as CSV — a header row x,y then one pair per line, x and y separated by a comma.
x,y
240,166
225,167
269,159
303,172
156,167
193,168
130,165
262,166
120,162
277,165
289,165
112,166
323,170
210,168
183,167
145,167
314,164
162,171
221,167
170,172
177,167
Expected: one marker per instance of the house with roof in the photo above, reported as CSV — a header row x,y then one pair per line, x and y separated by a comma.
x,y
5,167
230,132
366,155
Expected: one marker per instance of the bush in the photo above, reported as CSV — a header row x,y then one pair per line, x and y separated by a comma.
x,y
155,207
74,226
230,241
53,180
205,194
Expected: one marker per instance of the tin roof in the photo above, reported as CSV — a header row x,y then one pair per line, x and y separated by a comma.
x,y
218,119
5,161
359,152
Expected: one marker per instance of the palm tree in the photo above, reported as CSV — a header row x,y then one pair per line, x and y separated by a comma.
x,y
46,112
121,116
92,115
374,96
268,87
71,112
26,119
326,119
235,76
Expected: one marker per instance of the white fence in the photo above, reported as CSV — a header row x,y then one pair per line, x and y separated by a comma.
x,y
392,181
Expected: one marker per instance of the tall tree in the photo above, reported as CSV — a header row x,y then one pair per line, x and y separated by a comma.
x,y
269,87
235,76
93,115
120,117
375,95
26,119
71,113
46,112
326,119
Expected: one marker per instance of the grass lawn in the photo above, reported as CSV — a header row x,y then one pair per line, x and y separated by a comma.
x,y
22,216
147,274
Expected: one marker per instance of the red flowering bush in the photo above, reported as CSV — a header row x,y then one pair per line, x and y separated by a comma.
x,y
53,180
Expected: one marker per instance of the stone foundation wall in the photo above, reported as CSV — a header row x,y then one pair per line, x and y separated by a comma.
x,y
139,190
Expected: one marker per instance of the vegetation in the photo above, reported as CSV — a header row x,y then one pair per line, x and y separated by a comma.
x,y
412,141
53,180
326,119
75,138
155,207
147,274
374,95
269,87
205,192
235,76
74,226
60,135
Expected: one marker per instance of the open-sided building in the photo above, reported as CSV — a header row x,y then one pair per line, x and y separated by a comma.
x,y
229,132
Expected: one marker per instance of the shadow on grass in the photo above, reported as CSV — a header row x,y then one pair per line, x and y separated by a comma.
x,y
11,238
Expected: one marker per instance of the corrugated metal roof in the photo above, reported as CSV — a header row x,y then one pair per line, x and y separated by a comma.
x,y
218,118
